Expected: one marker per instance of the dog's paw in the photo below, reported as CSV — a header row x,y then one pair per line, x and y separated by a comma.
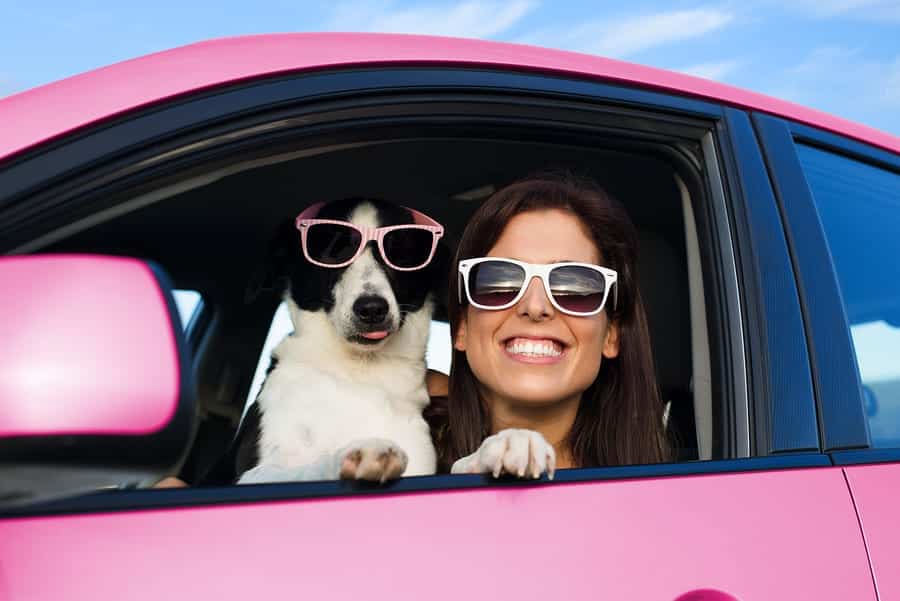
x,y
520,453
374,459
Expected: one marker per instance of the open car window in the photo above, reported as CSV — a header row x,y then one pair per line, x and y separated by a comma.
x,y
210,223
662,197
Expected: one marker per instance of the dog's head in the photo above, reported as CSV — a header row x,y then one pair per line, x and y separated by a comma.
x,y
366,302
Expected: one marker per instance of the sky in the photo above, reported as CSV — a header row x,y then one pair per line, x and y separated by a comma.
x,y
841,56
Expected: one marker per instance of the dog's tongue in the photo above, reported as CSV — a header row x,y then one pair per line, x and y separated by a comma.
x,y
375,335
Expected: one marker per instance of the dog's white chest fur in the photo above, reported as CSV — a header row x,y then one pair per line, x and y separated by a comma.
x,y
322,397
346,396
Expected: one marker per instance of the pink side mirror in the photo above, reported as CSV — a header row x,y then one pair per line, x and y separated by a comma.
x,y
95,386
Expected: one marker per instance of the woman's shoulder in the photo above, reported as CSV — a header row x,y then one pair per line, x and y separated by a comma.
x,y
438,383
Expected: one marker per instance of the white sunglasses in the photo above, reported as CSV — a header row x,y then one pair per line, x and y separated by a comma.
x,y
578,289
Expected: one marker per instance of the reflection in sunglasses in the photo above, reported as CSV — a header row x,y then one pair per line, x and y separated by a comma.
x,y
575,288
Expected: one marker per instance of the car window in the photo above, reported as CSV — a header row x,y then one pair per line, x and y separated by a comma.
x,y
859,206
659,197
437,355
188,302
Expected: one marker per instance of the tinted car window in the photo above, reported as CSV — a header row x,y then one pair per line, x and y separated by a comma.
x,y
859,206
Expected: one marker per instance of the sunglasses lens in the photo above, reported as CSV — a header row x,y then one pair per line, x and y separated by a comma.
x,y
495,283
332,243
577,289
408,248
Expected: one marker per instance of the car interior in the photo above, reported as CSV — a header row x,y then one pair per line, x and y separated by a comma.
x,y
212,233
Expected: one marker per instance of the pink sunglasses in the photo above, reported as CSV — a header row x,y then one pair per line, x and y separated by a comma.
x,y
332,243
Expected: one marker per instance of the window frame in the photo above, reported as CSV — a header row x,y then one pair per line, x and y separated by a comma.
x,y
839,395
150,143
778,356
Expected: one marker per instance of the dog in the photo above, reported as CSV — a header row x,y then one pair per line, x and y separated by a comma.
x,y
344,394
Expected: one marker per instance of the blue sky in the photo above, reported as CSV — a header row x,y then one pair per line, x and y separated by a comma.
x,y
841,56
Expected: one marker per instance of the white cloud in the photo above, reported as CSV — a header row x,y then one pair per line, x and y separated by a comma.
x,y
890,88
844,81
629,35
874,10
470,18
717,70
851,74
823,60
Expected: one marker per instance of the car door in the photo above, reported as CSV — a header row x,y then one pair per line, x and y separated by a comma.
x,y
764,516
852,192
755,534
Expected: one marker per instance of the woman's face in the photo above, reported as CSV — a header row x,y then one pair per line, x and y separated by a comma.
x,y
491,339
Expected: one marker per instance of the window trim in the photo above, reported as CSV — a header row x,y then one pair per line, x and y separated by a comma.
x,y
851,149
778,365
179,498
870,455
116,142
731,326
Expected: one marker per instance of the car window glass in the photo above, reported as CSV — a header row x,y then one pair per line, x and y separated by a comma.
x,y
187,302
859,206
437,355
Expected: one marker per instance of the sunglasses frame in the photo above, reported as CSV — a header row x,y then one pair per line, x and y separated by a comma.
x,y
305,220
541,271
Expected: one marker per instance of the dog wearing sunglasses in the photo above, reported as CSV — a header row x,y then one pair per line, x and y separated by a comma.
x,y
345,391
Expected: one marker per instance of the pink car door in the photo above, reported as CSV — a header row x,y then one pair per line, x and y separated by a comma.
x,y
874,492
780,534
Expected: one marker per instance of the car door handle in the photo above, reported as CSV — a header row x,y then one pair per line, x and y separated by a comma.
x,y
706,594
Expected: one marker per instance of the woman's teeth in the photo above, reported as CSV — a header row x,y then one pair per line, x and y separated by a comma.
x,y
534,348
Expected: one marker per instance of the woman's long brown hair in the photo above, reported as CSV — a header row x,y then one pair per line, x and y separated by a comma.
x,y
620,418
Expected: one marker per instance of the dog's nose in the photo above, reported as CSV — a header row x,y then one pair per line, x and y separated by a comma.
x,y
370,309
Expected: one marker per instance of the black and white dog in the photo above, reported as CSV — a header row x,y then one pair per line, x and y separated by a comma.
x,y
345,391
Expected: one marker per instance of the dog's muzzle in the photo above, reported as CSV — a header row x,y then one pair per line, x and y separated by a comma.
x,y
372,321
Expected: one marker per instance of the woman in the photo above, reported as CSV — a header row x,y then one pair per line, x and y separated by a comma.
x,y
552,365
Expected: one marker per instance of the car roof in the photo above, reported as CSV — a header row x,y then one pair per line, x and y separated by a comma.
x,y
50,111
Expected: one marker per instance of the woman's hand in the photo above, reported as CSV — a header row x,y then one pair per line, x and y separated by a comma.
x,y
521,453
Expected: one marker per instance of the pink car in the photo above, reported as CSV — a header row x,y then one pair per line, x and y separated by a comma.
x,y
769,254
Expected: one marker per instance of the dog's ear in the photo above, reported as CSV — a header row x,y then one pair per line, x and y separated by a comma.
x,y
272,275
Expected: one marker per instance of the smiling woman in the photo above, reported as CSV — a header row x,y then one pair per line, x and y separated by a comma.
x,y
538,345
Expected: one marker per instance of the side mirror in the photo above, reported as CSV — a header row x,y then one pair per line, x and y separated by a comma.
x,y
95,384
